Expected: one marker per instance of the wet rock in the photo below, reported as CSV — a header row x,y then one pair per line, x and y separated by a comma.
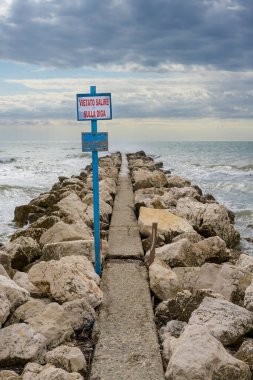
x,y
144,178
21,213
198,355
163,281
45,200
53,324
34,233
34,371
67,279
45,222
69,358
14,293
80,314
66,232
226,321
208,219
169,225
19,344
22,251
176,181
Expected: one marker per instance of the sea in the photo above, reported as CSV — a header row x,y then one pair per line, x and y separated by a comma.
x,y
223,169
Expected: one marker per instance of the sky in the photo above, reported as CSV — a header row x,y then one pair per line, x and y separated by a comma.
x,y
176,69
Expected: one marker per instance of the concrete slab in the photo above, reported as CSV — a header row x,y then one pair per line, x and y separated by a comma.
x,y
125,242
127,347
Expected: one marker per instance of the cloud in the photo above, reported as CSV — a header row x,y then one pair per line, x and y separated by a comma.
x,y
186,96
133,35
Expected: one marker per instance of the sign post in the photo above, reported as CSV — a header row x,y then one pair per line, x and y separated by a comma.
x,y
95,107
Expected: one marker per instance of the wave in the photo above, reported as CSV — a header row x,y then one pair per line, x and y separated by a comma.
x,y
244,213
226,166
7,160
78,155
246,167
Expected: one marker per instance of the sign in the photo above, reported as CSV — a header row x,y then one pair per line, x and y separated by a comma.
x,y
94,142
94,107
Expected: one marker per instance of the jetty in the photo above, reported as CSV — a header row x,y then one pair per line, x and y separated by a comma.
x,y
177,306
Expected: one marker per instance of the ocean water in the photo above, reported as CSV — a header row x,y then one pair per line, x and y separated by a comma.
x,y
224,169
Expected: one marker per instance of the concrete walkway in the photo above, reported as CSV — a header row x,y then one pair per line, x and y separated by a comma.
x,y
127,347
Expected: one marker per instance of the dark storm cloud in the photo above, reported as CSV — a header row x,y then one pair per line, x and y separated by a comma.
x,y
77,33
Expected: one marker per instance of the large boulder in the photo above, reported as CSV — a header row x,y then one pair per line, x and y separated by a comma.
x,y
80,314
246,262
28,310
66,232
163,281
185,253
74,210
70,359
34,371
45,200
226,279
14,293
22,251
19,344
197,355
169,225
245,352
144,178
67,279
55,251
208,219
226,321
53,324
176,181
21,213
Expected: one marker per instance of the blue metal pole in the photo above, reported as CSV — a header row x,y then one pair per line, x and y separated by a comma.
x,y
96,196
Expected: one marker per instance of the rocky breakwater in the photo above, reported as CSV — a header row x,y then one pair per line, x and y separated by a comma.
x,y
201,282
49,290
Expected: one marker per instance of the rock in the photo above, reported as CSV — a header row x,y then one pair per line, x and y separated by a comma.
x,y
74,210
5,261
169,225
80,314
3,272
193,236
45,222
174,327
69,358
21,278
66,232
208,219
246,262
34,371
226,321
182,305
45,200
248,298
30,232
176,181
9,375
163,281
22,251
15,294
19,344
226,279
4,308
21,213
169,343
108,184
198,355
53,324
187,276
245,352
145,178
67,279
28,310
55,251
211,249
